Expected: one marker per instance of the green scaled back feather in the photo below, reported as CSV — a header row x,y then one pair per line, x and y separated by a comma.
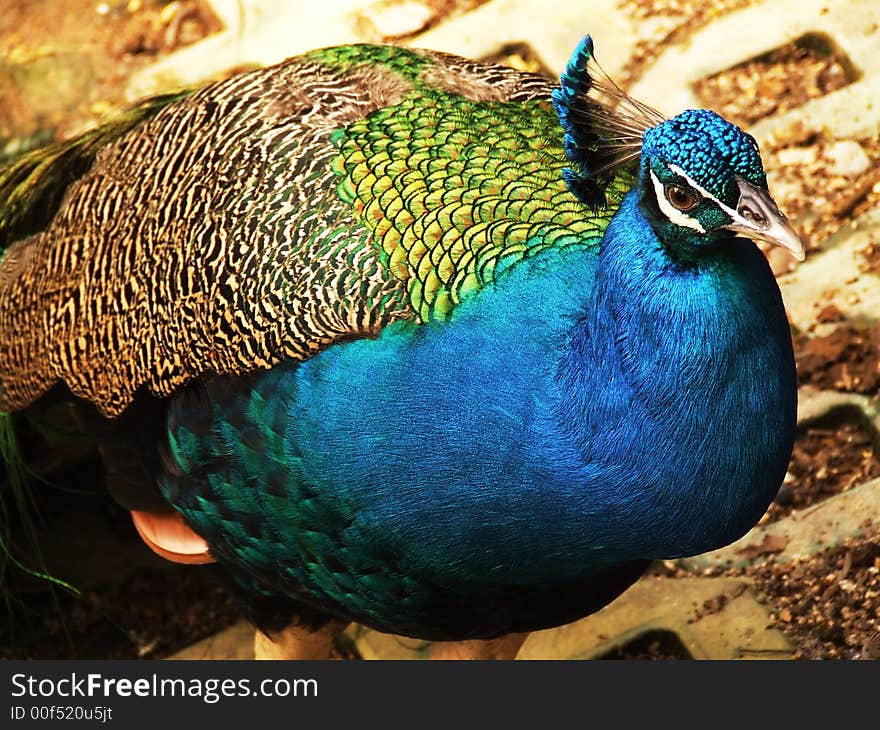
x,y
452,204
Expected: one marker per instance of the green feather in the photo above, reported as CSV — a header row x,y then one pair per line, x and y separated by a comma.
x,y
450,216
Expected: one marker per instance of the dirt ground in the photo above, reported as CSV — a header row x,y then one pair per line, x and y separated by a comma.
x,y
64,65
133,605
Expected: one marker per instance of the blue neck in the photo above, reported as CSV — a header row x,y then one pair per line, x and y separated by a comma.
x,y
680,380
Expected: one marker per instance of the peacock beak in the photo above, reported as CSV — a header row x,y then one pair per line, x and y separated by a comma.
x,y
758,217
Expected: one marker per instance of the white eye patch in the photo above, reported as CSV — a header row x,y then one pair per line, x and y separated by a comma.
x,y
734,215
673,214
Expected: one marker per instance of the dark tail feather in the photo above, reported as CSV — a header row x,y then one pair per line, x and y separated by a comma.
x,y
33,186
32,189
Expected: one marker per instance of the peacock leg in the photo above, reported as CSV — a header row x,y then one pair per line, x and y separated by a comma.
x,y
504,647
297,642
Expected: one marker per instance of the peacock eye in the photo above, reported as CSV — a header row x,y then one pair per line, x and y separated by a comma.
x,y
681,197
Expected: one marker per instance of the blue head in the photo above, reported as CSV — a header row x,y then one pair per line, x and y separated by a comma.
x,y
701,181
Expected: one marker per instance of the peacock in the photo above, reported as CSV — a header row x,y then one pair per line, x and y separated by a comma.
x,y
405,339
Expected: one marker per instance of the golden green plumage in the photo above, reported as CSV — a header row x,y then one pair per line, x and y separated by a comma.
x,y
447,202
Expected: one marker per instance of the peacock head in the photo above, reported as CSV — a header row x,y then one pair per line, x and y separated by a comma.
x,y
701,180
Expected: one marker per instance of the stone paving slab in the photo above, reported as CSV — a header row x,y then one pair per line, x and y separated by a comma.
x,y
262,32
714,618
834,276
804,533
762,27
725,630
551,35
257,33
236,642
815,406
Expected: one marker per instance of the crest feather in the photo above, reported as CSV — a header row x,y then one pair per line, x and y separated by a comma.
x,y
603,131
